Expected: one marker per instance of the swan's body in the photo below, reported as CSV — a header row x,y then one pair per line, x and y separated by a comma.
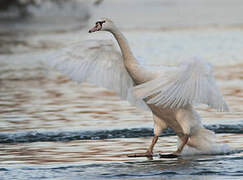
x,y
169,93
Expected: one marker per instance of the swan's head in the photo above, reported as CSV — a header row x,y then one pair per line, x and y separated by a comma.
x,y
103,24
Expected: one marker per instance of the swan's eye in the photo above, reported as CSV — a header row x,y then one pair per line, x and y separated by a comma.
x,y
98,26
100,22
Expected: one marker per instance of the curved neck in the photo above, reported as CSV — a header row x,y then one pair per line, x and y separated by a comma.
x,y
125,49
133,67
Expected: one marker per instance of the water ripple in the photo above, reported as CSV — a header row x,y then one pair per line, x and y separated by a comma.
x,y
44,136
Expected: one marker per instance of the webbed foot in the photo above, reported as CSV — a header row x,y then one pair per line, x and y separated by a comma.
x,y
147,154
168,155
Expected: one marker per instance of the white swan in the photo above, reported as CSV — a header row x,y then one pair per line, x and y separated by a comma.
x,y
170,93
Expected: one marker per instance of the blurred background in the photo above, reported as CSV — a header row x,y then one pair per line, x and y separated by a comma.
x,y
46,120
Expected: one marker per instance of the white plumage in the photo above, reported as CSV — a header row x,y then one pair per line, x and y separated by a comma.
x,y
192,82
169,93
98,63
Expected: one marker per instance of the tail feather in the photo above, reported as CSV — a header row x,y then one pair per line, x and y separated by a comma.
x,y
203,141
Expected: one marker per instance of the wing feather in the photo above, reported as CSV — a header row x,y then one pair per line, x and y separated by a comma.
x,y
192,82
96,62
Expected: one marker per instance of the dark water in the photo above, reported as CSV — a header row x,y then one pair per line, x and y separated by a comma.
x,y
56,136
187,168
52,128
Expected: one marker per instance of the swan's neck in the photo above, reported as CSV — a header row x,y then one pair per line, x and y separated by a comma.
x,y
132,65
125,48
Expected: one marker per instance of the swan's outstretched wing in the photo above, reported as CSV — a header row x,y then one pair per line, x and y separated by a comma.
x,y
96,62
192,82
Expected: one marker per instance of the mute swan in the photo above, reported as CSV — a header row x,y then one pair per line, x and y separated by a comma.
x,y
169,93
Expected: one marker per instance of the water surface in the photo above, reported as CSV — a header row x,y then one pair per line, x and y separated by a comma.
x,y
52,128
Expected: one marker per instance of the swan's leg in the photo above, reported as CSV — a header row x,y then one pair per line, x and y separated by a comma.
x,y
159,126
184,139
149,152
151,147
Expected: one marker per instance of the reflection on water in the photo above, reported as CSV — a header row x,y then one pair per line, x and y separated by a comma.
x,y
76,158
89,151
32,100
